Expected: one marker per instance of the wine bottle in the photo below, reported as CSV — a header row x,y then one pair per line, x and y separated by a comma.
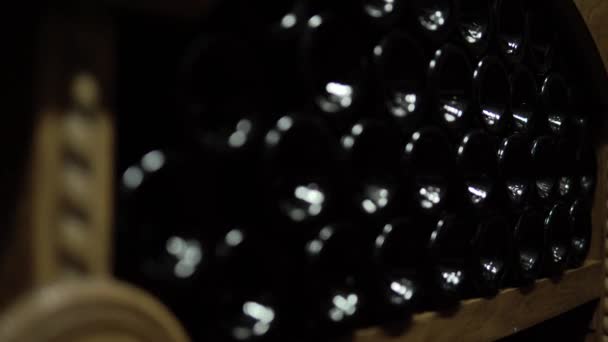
x,y
428,162
586,171
529,244
511,29
335,259
400,74
476,159
334,56
401,269
559,246
476,25
223,92
159,213
301,166
516,180
450,255
543,38
544,169
492,94
492,254
555,103
374,171
580,219
524,100
450,88
568,147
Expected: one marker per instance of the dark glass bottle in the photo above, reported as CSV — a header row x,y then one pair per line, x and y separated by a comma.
x,y
401,269
559,242
512,29
544,169
568,148
400,74
586,171
334,264
476,159
374,170
159,213
524,100
476,25
492,94
491,254
281,40
530,243
428,163
223,90
580,218
515,177
301,166
555,104
543,38
450,90
450,255
334,61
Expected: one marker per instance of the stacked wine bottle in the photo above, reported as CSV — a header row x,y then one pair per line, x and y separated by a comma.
x,y
330,165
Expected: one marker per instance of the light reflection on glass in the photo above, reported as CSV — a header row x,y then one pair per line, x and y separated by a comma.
x,y
430,196
478,191
274,135
433,19
450,278
555,122
528,260
382,237
473,32
579,244
522,118
587,183
315,246
234,238
307,202
516,190
452,109
241,134
559,253
565,185
491,115
336,97
491,268
151,162
544,187
402,291
289,20
188,254
402,104
510,44
375,198
381,9
343,306
262,315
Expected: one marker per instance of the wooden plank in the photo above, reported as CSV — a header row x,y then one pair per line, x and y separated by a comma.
x,y
509,312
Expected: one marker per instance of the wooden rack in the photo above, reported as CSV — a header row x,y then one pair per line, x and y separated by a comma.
x,y
57,284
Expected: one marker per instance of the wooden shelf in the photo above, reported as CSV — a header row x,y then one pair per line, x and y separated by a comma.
x,y
509,312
